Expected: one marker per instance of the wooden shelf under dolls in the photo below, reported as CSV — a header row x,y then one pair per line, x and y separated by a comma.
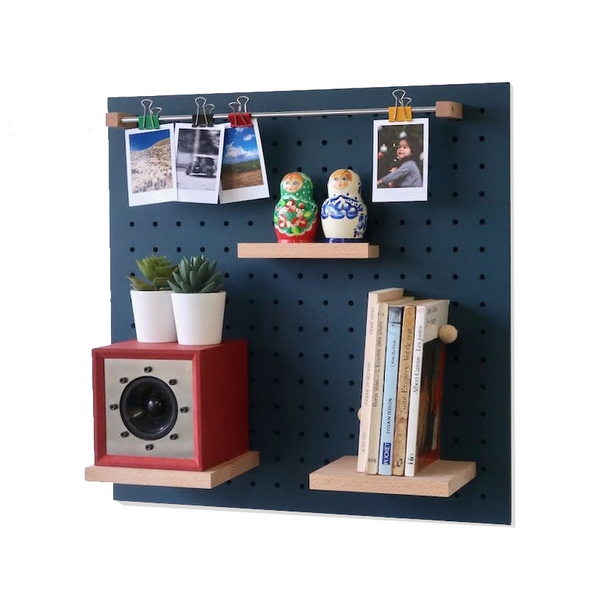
x,y
354,250
440,479
206,480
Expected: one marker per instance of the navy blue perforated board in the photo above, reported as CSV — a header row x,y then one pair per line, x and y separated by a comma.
x,y
305,319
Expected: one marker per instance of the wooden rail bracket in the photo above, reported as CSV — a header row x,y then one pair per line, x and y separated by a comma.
x,y
447,109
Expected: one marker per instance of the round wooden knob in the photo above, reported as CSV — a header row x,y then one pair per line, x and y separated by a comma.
x,y
448,334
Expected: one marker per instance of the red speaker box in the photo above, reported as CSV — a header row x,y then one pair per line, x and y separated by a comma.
x,y
167,406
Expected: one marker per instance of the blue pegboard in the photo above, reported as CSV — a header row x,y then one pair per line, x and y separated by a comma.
x,y
305,319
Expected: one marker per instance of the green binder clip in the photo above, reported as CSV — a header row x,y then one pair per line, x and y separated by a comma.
x,y
150,117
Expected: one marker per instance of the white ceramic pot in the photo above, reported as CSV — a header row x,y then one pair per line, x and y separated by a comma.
x,y
199,318
153,316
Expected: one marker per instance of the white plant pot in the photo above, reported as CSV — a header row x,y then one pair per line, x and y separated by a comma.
x,y
153,315
199,318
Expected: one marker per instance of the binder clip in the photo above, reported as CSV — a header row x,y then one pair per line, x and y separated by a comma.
x,y
207,118
400,111
149,120
240,118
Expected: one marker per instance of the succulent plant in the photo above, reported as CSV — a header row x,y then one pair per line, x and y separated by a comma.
x,y
196,276
157,270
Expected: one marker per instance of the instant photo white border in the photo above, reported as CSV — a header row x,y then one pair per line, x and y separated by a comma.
x,y
154,196
201,196
399,194
254,192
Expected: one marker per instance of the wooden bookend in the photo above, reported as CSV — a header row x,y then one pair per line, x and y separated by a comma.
x,y
448,334
448,110
113,119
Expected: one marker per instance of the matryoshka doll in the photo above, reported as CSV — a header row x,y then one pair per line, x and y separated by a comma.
x,y
295,216
344,214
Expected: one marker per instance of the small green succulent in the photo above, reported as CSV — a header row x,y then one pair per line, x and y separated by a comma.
x,y
196,276
157,270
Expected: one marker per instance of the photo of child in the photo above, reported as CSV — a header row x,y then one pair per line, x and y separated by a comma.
x,y
400,161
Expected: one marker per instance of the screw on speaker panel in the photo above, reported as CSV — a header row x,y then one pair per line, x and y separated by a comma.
x,y
184,409
149,447
173,436
113,406
123,380
147,369
172,381
124,434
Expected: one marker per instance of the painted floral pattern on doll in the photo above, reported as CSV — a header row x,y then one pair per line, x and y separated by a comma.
x,y
344,214
295,214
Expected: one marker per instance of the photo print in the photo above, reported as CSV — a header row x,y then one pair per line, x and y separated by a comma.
x,y
243,175
400,159
198,160
151,175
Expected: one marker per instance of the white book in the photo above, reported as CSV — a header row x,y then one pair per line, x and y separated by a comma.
x,y
390,384
430,316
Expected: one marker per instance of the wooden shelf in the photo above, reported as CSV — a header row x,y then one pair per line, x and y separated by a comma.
x,y
358,250
181,479
440,479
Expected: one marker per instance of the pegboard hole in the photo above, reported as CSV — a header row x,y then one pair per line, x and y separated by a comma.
x,y
482,166
482,194
155,224
455,276
326,382
351,356
455,249
277,485
481,248
300,354
455,167
324,169
482,138
300,328
132,249
350,276
226,249
300,276
325,303
202,223
325,329
325,276
350,142
350,302
454,221
178,249
131,224
455,138
250,223
482,221
300,302
324,142
325,356
350,329
275,275
326,435
428,249
178,224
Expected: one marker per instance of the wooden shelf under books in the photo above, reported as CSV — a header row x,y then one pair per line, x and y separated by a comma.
x,y
353,250
441,479
181,479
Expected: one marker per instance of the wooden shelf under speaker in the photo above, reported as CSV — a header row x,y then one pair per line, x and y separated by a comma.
x,y
206,480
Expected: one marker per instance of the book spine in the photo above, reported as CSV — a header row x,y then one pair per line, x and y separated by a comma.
x,y
377,388
403,396
367,385
390,383
415,392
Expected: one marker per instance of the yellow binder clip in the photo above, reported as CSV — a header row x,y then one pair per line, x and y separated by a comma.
x,y
401,111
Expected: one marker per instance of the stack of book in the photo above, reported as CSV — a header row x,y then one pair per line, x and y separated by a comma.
x,y
402,384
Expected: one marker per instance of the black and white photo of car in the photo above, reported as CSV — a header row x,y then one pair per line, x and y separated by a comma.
x,y
202,165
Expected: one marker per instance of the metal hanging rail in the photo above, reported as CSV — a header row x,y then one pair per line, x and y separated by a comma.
x,y
291,113
444,108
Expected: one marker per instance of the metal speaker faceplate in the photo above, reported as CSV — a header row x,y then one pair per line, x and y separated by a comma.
x,y
149,408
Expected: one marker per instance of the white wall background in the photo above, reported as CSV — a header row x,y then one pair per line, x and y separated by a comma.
x,y
62,537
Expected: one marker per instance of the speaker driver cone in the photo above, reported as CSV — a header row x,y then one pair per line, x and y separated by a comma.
x,y
148,408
